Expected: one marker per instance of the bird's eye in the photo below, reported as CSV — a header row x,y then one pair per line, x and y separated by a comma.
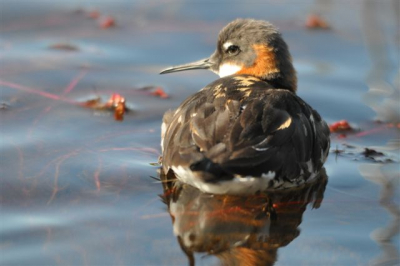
x,y
233,50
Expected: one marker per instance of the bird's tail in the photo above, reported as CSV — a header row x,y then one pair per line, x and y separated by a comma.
x,y
210,171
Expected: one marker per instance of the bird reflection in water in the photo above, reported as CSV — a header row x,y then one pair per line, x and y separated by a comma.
x,y
238,230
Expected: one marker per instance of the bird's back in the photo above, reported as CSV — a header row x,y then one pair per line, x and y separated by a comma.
x,y
241,127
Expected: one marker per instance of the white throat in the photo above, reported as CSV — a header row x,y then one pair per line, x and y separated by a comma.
x,y
228,69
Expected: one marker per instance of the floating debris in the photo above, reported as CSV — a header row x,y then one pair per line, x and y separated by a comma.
x,y
116,103
78,11
348,146
341,126
159,92
392,125
93,14
371,153
316,22
107,22
363,153
337,151
64,46
155,91
4,106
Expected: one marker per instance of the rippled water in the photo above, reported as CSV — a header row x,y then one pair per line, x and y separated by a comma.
x,y
76,186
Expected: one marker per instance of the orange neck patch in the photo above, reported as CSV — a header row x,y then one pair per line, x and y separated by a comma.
x,y
265,63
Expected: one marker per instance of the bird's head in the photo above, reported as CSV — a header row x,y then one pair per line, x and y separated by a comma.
x,y
253,47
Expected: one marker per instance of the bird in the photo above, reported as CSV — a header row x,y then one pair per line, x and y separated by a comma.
x,y
248,131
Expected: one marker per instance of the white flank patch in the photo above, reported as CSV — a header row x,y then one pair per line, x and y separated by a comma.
x,y
228,69
163,130
240,185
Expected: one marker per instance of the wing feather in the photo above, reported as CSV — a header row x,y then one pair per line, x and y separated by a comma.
x,y
230,133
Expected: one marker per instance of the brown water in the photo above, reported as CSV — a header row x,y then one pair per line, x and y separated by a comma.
x,y
76,186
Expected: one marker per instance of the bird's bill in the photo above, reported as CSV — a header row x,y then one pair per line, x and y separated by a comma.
x,y
201,64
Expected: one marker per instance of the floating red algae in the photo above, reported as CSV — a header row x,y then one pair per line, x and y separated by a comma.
x,y
160,93
119,111
340,126
392,125
107,22
316,22
116,103
115,99
94,14
93,103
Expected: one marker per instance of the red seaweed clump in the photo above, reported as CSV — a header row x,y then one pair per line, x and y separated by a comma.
x,y
316,22
94,14
160,93
340,127
116,103
107,22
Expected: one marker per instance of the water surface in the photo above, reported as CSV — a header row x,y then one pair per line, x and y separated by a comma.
x,y
76,186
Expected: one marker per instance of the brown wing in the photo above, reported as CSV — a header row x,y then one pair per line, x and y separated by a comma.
x,y
243,126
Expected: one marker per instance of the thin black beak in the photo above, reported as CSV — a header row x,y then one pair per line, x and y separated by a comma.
x,y
201,64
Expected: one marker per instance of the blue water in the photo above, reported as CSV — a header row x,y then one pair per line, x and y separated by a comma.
x,y
75,185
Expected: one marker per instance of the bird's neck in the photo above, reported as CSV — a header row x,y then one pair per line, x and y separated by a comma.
x,y
284,76
282,81
274,67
